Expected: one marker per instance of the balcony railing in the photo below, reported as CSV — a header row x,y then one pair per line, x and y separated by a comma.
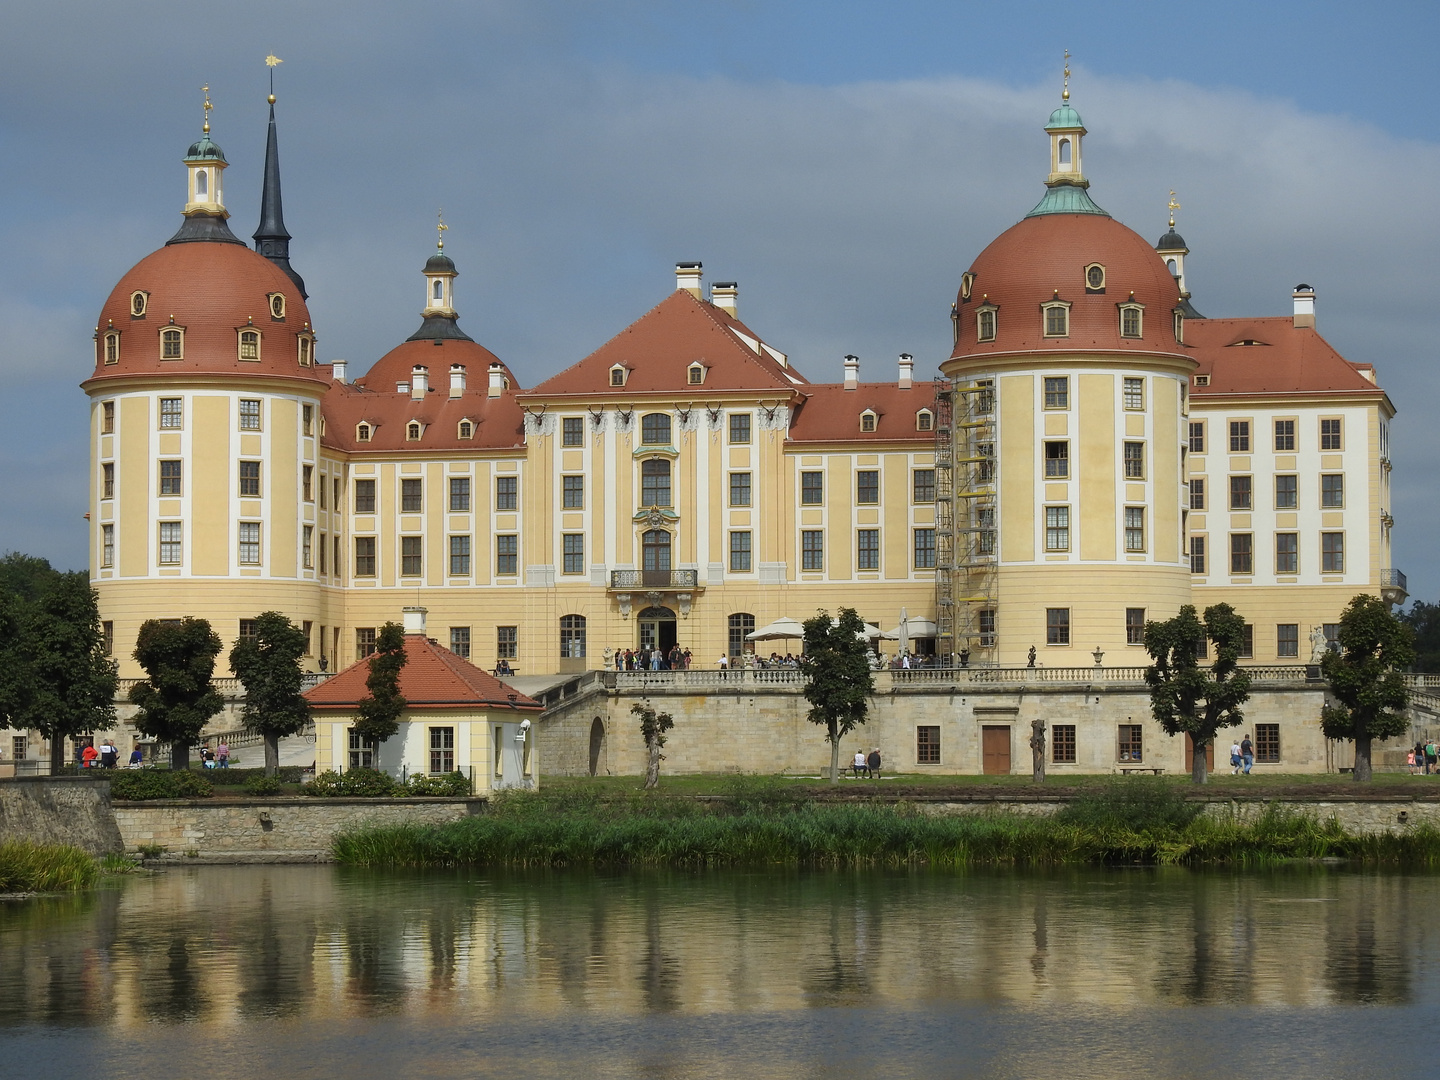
x,y
1393,579
654,579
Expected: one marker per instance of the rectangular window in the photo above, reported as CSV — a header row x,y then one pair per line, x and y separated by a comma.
x,y
1332,491
322,553
307,419
172,549
107,481
1330,435
1062,743
362,750
1241,496
1287,493
572,431
412,556
412,496
1241,560
507,642
307,547
867,549
250,478
19,745
323,487
1267,743
364,497
1134,528
812,550
1057,321
308,629
460,493
812,488
1131,747
170,477
507,492
572,492
1134,391
739,427
1057,460
927,745
507,554
867,487
442,750
1287,553
1197,493
985,469
1287,639
1130,323
572,637
924,549
249,414
1197,436
1284,435
740,552
460,641
249,537
337,494
1057,528
107,545
1239,436
985,522
459,556
107,418
335,568
247,630
172,414
364,557
1134,626
1134,461
1247,641
738,625
922,486
1332,553
739,489
1057,626
1197,554
307,482
1057,393
572,553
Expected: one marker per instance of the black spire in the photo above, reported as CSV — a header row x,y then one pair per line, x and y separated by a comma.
x,y
271,239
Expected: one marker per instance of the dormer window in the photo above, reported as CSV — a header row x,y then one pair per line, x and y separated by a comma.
x,y
172,343
985,323
924,420
1095,278
277,305
112,348
868,420
1202,380
139,301
1056,319
249,345
696,374
617,375
466,430
1130,320
1179,327
967,283
362,432
306,348
413,430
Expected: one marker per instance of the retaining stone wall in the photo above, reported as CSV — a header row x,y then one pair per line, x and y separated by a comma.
x,y
59,810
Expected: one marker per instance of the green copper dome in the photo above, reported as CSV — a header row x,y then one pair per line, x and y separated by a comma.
x,y
1064,118
205,150
1066,199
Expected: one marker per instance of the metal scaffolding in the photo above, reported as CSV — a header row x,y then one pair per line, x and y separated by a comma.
x,y
965,537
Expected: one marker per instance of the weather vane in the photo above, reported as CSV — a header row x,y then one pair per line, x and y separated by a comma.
x,y
270,62
1065,93
207,107
1174,205
440,228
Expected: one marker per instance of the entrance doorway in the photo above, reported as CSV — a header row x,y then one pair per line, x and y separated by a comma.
x,y
1190,755
657,629
995,749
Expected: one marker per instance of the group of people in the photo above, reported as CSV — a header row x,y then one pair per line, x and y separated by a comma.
x,y
651,658
1423,757
217,757
869,764
107,756
1242,756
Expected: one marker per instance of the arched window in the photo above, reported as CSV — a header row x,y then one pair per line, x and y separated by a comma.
x,y
572,637
1064,151
655,482
362,431
412,430
249,345
202,187
466,429
172,344
867,420
112,348
985,325
655,429
1057,320
1130,320
924,420
305,353
1174,269
655,550
439,290
617,375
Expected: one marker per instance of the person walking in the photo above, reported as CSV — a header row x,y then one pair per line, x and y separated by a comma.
x,y
1429,757
88,756
873,763
109,755
222,754
1235,760
137,757
1247,752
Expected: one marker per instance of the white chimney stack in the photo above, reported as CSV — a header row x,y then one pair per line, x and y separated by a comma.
x,y
457,380
497,379
1304,307
687,277
414,619
340,369
907,370
419,382
725,295
852,371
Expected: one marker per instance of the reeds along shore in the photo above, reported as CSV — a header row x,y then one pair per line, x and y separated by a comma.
x,y
1113,826
41,868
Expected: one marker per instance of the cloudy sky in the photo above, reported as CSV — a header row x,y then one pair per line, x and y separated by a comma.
x,y
843,161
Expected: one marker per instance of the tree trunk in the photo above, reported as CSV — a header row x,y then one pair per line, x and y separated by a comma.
x,y
652,766
834,756
1037,750
57,753
179,755
272,753
1362,759
1198,772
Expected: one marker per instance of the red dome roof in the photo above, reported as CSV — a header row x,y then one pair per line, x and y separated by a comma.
x,y
213,291
438,354
1046,256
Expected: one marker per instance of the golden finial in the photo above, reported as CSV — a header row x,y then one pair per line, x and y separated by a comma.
x,y
1174,205
1065,93
440,228
207,107
270,62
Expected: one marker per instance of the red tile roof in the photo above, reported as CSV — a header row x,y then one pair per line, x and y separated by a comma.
x,y
830,413
1284,359
437,356
433,677
498,422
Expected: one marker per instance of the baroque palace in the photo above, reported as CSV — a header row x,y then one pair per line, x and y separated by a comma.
x,y
1096,453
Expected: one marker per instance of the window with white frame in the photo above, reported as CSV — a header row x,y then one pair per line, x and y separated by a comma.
x,y
1134,528
1057,528
249,543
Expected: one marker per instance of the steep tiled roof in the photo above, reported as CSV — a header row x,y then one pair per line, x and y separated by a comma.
x,y
497,423
437,355
659,347
433,677
1283,359
830,413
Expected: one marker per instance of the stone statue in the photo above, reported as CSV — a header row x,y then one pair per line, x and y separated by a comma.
x,y
1037,749
1030,662
1318,645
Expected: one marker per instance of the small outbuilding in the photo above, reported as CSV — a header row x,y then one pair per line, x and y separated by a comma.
x,y
457,717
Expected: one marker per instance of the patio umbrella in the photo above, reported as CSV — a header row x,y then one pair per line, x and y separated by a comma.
x,y
781,628
902,632
918,627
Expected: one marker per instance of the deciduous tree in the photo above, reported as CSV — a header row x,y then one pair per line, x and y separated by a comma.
x,y
1186,698
1424,620
653,727
837,661
178,697
378,715
1366,678
269,666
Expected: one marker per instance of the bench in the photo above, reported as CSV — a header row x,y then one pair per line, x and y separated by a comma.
x,y
1128,769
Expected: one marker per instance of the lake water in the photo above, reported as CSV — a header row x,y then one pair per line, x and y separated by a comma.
x,y
298,972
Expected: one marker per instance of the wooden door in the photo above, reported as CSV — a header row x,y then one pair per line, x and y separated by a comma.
x,y
995,748
1190,755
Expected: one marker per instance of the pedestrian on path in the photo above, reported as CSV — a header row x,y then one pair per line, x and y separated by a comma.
x,y
1247,752
1235,760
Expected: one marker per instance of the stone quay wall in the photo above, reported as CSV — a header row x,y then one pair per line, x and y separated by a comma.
x,y
59,810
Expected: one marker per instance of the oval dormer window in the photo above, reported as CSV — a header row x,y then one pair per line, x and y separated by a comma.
x,y
202,184
138,302
277,305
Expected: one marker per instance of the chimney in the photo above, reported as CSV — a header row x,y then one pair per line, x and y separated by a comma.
x,y
340,370
1304,307
414,619
687,277
852,371
419,382
457,380
497,379
907,370
725,295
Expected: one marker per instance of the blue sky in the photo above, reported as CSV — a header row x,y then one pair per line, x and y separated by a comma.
x,y
844,161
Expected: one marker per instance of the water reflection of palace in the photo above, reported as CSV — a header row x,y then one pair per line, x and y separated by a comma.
x,y
228,944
